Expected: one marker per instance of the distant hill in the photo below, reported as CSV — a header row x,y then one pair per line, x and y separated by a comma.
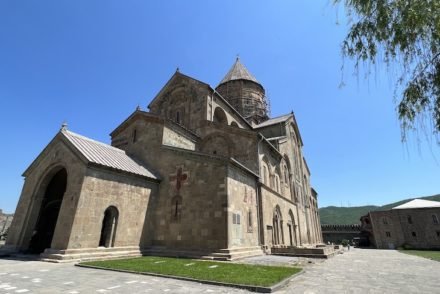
x,y
333,215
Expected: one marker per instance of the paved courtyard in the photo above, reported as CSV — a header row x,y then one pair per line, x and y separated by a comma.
x,y
356,271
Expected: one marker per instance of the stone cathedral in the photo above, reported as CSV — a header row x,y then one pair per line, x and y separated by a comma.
x,y
204,173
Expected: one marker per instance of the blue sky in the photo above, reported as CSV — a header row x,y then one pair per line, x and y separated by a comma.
x,y
90,63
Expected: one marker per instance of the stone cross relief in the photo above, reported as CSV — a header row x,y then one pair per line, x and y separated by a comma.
x,y
180,177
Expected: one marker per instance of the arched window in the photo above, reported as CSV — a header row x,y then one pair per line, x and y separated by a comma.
x,y
234,124
249,219
178,117
134,136
109,226
434,219
295,192
277,183
220,116
265,175
176,208
286,174
292,229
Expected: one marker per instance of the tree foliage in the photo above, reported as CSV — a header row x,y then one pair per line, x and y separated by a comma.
x,y
405,33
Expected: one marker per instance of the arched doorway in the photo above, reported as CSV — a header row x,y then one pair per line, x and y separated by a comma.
x,y
109,225
278,236
292,229
44,229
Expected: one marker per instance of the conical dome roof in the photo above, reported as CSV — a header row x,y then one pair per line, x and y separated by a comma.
x,y
239,72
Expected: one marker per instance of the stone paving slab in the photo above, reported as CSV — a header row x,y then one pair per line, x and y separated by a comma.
x,y
356,271
276,260
369,271
43,277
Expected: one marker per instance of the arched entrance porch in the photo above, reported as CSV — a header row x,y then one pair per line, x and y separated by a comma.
x,y
44,229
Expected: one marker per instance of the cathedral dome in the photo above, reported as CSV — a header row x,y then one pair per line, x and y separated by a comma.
x,y
243,91
239,72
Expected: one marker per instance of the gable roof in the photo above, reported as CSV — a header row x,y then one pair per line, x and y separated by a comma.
x,y
273,121
418,203
207,86
105,155
176,75
238,72
281,119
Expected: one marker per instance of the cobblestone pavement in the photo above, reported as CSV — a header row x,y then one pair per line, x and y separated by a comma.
x,y
356,271
369,271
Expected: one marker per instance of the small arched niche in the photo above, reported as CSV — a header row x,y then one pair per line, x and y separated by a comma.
x,y
109,226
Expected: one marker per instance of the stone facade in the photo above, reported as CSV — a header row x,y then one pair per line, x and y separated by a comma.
x,y
417,228
210,182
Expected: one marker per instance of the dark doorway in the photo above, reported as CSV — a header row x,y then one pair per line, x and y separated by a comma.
x,y
290,234
109,225
47,218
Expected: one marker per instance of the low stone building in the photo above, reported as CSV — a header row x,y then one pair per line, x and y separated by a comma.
x,y
335,234
5,222
415,224
204,173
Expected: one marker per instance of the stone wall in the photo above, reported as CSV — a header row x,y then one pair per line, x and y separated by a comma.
x,y
230,141
242,209
130,195
190,212
269,201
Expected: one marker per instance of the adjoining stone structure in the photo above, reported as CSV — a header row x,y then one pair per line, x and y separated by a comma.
x,y
336,233
5,222
191,177
415,224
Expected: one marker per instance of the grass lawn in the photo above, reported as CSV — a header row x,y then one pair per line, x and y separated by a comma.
x,y
226,272
434,255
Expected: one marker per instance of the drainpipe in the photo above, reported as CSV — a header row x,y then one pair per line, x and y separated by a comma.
x,y
259,199
212,105
299,221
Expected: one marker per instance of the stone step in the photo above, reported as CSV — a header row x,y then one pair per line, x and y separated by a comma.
x,y
320,252
221,255
87,255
